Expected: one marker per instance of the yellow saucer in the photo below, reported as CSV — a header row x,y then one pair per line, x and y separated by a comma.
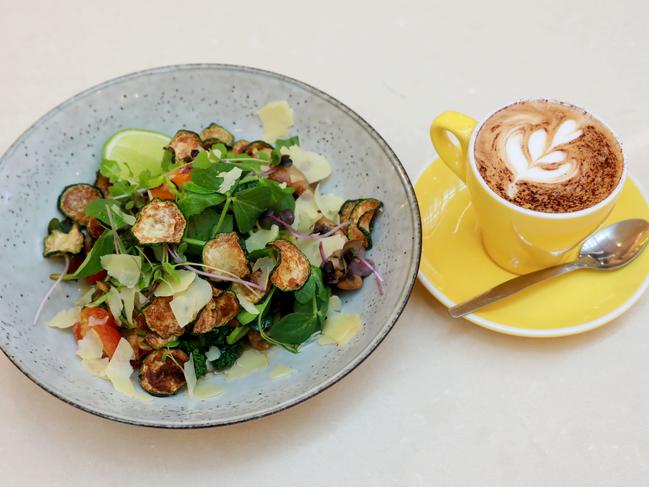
x,y
454,267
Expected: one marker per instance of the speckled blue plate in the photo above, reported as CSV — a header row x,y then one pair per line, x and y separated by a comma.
x,y
64,146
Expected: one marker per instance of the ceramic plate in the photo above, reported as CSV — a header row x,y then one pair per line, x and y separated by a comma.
x,y
454,267
64,146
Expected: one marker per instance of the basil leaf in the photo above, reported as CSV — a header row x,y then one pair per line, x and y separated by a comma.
x,y
92,263
248,205
294,328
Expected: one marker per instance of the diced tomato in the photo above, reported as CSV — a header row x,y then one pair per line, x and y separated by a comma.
x,y
103,323
75,262
100,276
163,193
95,229
180,178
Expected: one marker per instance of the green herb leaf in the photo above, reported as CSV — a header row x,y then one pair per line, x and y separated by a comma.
x,y
192,187
194,203
111,170
248,205
279,143
92,263
200,363
281,198
294,328
97,209
201,161
209,177
306,293
200,226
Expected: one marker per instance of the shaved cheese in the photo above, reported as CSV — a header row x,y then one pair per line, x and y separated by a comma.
x,y
340,328
90,346
96,366
314,166
250,361
247,304
124,268
115,304
328,204
128,299
261,237
229,178
199,389
86,298
306,212
276,118
266,265
187,304
213,353
311,248
280,370
335,303
141,299
119,371
65,318
166,288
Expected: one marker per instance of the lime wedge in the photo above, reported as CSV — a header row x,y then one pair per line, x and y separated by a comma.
x,y
137,150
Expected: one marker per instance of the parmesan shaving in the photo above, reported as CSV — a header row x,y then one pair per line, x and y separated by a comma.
x,y
128,299
311,248
261,237
314,166
306,212
266,265
90,346
86,298
115,304
95,366
124,268
199,389
276,118
280,370
250,361
340,329
328,204
185,278
335,303
119,371
213,353
187,304
65,318
229,178
247,304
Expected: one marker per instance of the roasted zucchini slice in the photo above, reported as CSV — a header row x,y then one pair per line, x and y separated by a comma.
x,y
346,209
293,268
75,198
60,242
159,221
361,208
240,146
160,318
103,184
184,146
161,373
253,148
253,295
225,254
218,312
216,134
366,225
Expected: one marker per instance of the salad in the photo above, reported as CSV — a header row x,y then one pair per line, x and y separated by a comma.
x,y
201,251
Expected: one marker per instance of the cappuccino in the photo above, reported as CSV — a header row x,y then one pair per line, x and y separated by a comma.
x,y
548,156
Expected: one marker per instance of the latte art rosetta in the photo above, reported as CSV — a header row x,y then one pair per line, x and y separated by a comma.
x,y
548,156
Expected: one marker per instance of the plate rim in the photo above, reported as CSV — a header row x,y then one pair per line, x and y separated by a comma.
x,y
527,332
406,290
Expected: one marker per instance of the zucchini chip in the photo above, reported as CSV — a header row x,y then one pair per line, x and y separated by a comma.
x,y
253,295
162,373
253,148
366,225
354,232
160,318
75,198
293,268
103,184
160,221
346,209
240,146
184,146
60,242
218,312
225,255
215,134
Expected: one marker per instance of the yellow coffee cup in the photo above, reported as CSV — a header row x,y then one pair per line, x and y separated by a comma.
x,y
516,238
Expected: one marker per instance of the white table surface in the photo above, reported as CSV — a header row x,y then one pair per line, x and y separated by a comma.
x,y
441,402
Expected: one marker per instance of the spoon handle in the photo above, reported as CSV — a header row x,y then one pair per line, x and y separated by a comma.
x,y
510,287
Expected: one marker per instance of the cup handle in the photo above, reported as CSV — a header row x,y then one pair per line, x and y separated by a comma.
x,y
461,126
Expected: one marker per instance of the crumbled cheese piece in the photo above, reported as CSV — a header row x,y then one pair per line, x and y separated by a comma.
x,y
65,318
250,361
119,371
124,268
280,370
261,237
276,118
340,329
213,353
314,166
168,288
335,303
187,304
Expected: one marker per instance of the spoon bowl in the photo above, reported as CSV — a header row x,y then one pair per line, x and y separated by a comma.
x,y
615,245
